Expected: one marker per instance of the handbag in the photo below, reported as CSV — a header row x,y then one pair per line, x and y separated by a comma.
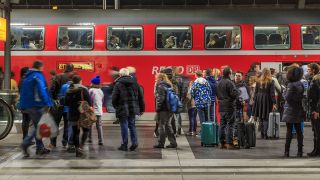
x,y
87,116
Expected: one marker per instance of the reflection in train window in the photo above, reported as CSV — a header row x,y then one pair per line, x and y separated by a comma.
x,y
27,37
124,38
75,38
272,37
174,37
310,36
223,37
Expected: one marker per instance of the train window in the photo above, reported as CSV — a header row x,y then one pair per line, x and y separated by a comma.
x,y
272,37
124,38
174,37
27,37
310,36
223,37
75,38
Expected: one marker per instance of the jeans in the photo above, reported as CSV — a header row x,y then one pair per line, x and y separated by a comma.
x,y
165,128
76,135
203,114
25,124
297,126
35,115
192,112
65,141
130,123
226,126
99,130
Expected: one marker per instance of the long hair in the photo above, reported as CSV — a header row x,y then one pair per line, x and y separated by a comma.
x,y
163,77
265,78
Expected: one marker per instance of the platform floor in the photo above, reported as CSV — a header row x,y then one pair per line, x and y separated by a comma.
x,y
189,161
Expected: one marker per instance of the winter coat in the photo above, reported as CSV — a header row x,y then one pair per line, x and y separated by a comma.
x,y
201,92
127,98
34,91
293,110
96,96
212,82
264,99
227,94
73,98
161,94
314,94
57,83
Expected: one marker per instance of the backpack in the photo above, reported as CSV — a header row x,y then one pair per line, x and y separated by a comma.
x,y
87,116
173,102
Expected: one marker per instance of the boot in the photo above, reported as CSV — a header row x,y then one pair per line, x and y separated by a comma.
x,y
231,147
287,150
314,152
223,145
300,152
80,153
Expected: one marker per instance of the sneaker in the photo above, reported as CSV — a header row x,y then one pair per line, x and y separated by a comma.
x,y
190,134
42,151
123,148
133,147
172,146
158,146
51,146
25,151
71,149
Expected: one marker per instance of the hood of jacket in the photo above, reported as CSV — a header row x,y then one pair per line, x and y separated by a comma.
x,y
201,80
75,87
126,80
316,77
30,72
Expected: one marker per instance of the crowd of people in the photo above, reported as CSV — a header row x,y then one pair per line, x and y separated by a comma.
x,y
232,96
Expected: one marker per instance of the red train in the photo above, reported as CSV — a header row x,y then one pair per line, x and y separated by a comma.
x,y
149,40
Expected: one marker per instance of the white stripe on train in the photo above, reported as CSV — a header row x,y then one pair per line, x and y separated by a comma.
x,y
164,53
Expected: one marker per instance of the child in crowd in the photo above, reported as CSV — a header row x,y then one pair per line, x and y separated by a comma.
x,y
96,96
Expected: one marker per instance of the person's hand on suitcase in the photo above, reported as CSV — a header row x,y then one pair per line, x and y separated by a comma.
x,y
315,115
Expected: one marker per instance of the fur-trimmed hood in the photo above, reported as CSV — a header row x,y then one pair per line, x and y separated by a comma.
x,y
316,77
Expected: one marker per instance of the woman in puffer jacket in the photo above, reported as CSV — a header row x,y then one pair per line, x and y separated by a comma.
x,y
293,110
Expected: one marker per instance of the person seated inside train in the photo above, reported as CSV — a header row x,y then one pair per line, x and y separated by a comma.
x,y
114,43
64,43
213,37
26,43
13,41
133,43
315,32
187,41
237,42
170,42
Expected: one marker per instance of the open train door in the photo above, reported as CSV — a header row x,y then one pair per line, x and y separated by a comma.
x,y
278,66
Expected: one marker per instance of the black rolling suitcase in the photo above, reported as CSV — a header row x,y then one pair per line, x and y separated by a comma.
x,y
246,134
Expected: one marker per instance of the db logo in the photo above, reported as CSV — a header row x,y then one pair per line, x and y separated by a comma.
x,y
192,69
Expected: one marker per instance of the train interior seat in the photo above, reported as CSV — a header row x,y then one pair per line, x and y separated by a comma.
x,y
308,39
275,39
261,39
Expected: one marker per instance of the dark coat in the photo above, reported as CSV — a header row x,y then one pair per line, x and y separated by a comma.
x,y
212,82
264,99
57,83
73,98
293,110
127,98
161,94
314,94
227,94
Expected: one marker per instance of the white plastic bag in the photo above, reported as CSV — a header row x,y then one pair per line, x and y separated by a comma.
x,y
47,127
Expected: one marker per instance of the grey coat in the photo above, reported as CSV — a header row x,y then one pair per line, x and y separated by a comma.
x,y
293,110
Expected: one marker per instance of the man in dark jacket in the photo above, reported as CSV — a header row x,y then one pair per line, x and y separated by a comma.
x,y
240,102
34,100
212,83
128,101
227,95
314,98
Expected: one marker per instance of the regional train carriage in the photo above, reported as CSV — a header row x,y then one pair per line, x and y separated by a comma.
x,y
149,40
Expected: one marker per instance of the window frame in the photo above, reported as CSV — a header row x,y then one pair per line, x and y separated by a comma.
x,y
301,35
57,37
172,49
254,37
30,26
121,49
205,44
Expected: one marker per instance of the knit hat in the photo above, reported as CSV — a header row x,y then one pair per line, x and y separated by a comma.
x,y
96,80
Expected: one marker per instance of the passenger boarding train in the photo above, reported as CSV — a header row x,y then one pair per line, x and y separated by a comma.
x,y
149,40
